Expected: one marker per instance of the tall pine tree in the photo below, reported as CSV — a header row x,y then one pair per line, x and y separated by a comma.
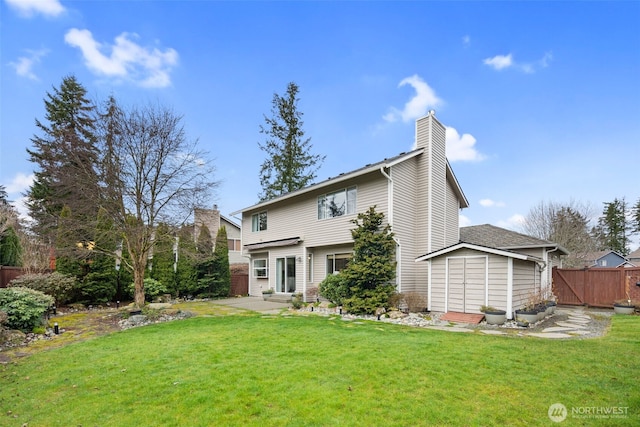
x,y
612,231
66,157
290,164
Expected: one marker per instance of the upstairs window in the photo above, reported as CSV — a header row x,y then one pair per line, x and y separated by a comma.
x,y
259,221
342,202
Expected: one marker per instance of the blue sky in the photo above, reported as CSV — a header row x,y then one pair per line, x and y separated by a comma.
x,y
542,99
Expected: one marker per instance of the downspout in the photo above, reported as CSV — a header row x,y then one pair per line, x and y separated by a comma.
x,y
547,263
390,209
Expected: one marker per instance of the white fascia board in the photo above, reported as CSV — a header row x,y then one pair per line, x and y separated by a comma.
x,y
484,249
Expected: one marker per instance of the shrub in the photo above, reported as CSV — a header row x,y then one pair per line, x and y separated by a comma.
x,y
152,288
334,288
98,287
61,287
369,300
3,318
415,301
296,301
25,307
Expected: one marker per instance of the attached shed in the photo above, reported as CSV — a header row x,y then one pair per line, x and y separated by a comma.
x,y
463,277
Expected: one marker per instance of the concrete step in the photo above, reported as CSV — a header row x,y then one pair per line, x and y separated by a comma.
x,y
283,298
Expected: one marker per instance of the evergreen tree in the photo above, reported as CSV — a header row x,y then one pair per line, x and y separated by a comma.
x,y
290,164
635,217
221,257
66,157
164,258
10,248
612,231
370,273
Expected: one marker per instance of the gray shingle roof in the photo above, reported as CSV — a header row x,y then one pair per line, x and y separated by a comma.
x,y
496,237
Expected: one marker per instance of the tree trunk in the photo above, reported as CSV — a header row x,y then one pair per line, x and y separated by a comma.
x,y
138,281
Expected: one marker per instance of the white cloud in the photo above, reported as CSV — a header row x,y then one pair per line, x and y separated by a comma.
x,y
514,222
499,62
488,203
20,183
417,106
463,221
24,64
28,8
148,67
461,148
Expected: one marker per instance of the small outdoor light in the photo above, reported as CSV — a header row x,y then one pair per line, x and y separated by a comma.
x,y
56,329
53,308
117,304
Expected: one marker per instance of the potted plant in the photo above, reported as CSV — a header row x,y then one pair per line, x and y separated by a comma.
x,y
624,306
493,315
266,293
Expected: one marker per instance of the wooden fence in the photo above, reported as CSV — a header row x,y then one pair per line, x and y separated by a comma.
x,y
7,274
239,285
596,287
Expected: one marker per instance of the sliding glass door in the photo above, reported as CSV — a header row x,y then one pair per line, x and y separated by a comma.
x,y
286,275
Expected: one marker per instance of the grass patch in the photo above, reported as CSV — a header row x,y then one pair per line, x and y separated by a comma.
x,y
295,370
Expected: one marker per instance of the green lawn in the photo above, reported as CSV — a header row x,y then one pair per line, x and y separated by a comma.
x,y
296,370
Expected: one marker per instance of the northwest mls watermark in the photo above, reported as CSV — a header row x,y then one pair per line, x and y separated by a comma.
x,y
558,412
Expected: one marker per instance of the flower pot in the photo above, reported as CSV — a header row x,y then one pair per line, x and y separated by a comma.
x,y
623,309
529,316
496,317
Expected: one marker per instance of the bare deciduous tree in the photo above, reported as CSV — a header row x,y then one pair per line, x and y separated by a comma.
x,y
566,224
151,173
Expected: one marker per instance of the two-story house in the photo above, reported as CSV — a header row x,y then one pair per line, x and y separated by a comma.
x,y
295,240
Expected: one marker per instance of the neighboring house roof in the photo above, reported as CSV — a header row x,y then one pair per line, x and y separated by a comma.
x,y
634,255
481,248
496,237
230,221
593,258
386,163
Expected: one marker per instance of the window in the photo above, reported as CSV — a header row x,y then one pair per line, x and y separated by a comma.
x,y
339,203
234,245
259,221
337,262
260,269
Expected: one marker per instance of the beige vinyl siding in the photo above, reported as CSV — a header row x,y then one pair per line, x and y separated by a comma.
x,y
299,217
404,177
498,281
525,282
256,286
438,187
423,132
438,284
452,230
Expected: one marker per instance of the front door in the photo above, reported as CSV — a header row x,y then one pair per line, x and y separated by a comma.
x,y
286,275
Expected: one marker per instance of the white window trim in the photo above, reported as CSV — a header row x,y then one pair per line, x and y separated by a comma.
x,y
265,268
257,223
346,201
